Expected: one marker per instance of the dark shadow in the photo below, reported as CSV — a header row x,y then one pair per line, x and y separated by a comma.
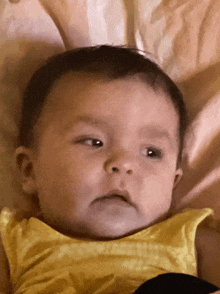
x,y
130,13
16,71
207,160
200,88
207,198
198,91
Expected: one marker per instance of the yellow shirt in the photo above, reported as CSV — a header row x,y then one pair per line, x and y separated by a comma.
x,y
43,260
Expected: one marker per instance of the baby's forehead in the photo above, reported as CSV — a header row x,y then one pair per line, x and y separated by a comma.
x,y
71,88
80,80
77,82
80,91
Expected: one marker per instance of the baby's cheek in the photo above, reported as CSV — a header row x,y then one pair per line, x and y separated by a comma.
x,y
89,172
83,180
156,191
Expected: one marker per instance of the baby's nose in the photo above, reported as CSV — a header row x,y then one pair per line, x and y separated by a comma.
x,y
124,169
121,164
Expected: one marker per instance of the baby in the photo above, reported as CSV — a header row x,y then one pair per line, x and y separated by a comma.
x,y
100,145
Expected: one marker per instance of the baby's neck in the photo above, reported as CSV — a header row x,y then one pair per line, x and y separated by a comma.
x,y
90,237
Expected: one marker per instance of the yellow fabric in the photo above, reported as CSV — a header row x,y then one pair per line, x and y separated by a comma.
x,y
43,260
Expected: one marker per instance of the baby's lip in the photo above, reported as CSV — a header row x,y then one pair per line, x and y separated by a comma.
x,y
123,195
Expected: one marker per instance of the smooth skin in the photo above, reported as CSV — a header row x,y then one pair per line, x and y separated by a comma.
x,y
99,138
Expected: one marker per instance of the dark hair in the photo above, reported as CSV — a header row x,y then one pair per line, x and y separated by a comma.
x,y
113,62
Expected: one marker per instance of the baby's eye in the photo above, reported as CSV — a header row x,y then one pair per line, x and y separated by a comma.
x,y
91,142
151,152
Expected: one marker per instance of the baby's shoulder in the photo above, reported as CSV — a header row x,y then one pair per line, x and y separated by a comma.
x,y
4,271
208,254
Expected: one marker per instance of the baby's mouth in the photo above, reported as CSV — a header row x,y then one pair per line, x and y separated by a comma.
x,y
118,197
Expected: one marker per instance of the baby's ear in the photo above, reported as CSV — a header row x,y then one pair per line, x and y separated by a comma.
x,y
23,158
178,176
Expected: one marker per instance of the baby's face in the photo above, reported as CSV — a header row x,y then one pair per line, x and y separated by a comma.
x,y
107,156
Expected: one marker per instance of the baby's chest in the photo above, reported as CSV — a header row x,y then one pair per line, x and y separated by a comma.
x,y
123,266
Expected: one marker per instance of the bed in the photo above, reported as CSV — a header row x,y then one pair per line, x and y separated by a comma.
x,y
182,36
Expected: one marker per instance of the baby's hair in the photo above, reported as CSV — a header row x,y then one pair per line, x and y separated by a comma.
x,y
111,62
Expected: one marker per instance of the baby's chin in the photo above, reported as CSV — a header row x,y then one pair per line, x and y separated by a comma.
x,y
105,233
99,230
103,225
116,231
111,230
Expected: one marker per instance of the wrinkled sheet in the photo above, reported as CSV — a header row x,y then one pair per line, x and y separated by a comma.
x,y
182,36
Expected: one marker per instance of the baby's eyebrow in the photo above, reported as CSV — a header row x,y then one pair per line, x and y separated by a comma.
x,y
97,122
156,132
152,131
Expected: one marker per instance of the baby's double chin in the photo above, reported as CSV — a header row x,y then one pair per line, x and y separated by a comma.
x,y
113,229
